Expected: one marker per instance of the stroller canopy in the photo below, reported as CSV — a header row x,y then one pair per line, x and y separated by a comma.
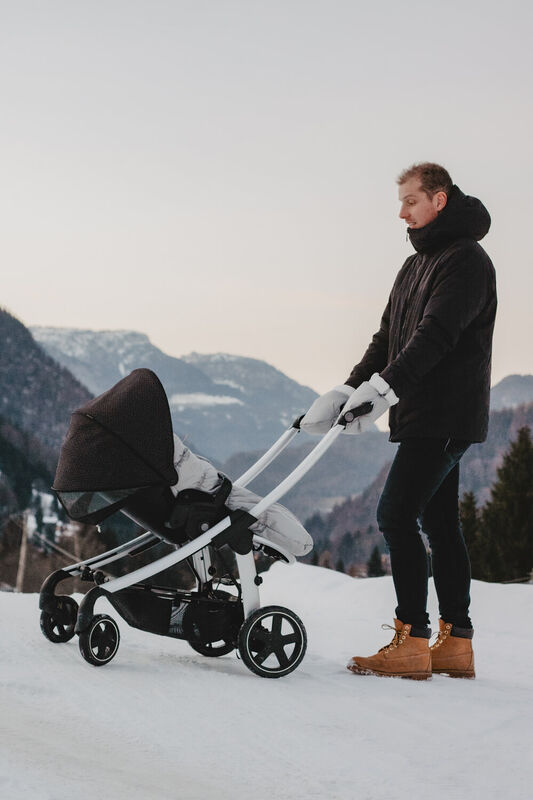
x,y
116,444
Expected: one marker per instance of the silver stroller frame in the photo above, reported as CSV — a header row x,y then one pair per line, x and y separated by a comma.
x,y
271,640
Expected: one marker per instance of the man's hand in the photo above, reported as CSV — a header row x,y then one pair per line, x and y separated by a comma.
x,y
376,391
325,410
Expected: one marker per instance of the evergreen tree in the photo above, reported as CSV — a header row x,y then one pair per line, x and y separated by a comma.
x,y
347,548
316,526
339,566
507,518
470,524
374,566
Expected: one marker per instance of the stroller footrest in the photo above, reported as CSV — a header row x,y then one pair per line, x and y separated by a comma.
x,y
238,536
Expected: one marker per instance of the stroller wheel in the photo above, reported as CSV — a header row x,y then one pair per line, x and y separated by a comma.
x,y
99,642
212,649
272,641
59,625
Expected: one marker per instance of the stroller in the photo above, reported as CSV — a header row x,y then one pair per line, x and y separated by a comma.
x,y
120,453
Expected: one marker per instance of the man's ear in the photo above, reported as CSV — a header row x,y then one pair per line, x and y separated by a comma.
x,y
440,199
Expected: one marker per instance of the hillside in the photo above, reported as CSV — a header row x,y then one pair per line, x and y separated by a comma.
x,y
480,462
161,721
37,394
20,468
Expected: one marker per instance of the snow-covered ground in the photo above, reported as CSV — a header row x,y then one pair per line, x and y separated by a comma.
x,y
160,721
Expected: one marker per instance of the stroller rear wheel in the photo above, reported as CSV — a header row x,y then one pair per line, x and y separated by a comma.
x,y
59,625
212,649
99,642
272,641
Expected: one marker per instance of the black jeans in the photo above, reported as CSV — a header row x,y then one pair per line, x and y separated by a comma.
x,y
423,484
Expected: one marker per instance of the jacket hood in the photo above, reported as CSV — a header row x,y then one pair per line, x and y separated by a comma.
x,y
462,217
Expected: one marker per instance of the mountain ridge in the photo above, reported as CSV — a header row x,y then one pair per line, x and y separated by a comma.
x,y
220,403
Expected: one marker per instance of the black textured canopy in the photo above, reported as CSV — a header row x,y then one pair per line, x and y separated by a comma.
x,y
116,443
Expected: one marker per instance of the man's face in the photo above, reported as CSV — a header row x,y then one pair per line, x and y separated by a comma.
x,y
417,208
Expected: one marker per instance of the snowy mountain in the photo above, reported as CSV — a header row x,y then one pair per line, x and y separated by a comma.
x,y
161,721
257,383
220,404
512,391
101,358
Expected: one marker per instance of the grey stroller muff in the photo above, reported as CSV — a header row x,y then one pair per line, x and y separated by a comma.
x,y
120,453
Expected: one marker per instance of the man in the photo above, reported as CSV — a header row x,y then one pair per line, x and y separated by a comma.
x,y
430,364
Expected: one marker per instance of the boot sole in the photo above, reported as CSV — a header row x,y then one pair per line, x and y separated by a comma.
x,y
414,676
456,673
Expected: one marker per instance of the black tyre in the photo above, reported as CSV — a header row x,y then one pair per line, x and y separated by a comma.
x,y
59,625
218,618
212,649
272,641
99,642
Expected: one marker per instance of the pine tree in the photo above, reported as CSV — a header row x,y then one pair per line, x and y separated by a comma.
x,y
374,566
470,524
507,518
339,566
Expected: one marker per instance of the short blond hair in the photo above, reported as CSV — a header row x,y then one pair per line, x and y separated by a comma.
x,y
433,178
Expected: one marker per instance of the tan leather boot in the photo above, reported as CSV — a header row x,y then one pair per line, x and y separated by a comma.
x,y
405,657
453,655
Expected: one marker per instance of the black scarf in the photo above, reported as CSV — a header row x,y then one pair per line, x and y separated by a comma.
x,y
462,217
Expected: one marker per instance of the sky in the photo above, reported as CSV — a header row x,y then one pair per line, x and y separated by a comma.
x,y
222,175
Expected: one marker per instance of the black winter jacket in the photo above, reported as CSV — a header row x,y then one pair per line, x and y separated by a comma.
x,y
435,340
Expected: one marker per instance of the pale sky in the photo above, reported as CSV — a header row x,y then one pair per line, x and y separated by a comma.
x,y
221,175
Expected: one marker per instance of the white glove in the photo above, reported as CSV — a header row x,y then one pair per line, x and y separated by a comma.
x,y
325,410
376,391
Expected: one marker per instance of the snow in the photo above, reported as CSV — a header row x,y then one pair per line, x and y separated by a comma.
x,y
162,721
75,342
199,399
231,384
213,357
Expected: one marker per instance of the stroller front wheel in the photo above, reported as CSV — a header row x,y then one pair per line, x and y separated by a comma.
x,y
272,641
99,642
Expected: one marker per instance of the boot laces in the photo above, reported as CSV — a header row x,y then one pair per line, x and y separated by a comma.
x,y
397,640
441,637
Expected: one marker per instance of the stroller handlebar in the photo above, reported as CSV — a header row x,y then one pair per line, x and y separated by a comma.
x,y
266,459
286,437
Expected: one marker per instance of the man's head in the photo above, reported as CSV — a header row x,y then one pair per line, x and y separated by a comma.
x,y
423,192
